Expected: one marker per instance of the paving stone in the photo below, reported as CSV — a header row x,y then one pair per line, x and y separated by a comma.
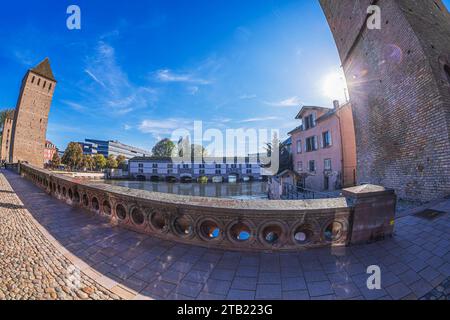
x,y
222,274
398,291
291,284
295,295
429,274
219,287
244,283
322,288
268,291
235,294
189,288
162,269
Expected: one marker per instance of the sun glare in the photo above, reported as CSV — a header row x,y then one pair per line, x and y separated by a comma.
x,y
334,86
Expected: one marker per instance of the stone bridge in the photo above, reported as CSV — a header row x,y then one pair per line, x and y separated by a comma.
x,y
364,214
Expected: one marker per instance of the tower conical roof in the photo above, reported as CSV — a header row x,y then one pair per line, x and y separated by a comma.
x,y
44,69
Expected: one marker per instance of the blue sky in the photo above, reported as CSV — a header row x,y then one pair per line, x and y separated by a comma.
x,y
137,70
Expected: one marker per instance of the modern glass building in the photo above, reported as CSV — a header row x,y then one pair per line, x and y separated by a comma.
x,y
114,148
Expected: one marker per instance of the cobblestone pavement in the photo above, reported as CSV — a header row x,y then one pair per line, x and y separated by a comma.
x,y
413,263
30,266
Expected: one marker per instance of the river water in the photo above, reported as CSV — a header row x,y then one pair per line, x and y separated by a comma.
x,y
241,191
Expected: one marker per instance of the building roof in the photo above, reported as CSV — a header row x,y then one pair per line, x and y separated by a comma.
x,y
44,69
306,108
331,112
299,128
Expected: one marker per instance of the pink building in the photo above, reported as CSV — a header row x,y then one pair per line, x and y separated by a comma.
x,y
324,148
49,151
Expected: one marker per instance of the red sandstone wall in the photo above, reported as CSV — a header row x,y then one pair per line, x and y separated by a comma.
x,y
31,120
399,91
6,140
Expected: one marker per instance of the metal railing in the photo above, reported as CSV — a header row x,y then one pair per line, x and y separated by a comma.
x,y
291,192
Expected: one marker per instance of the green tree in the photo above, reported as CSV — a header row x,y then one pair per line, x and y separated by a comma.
x,y
56,161
121,162
88,162
163,148
111,162
73,156
100,161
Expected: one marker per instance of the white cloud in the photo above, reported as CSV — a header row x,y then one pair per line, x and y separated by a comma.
x,y
117,94
75,106
94,78
167,75
258,119
289,102
247,96
163,127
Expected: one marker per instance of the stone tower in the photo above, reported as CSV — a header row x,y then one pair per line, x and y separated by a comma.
x,y
399,84
6,139
31,116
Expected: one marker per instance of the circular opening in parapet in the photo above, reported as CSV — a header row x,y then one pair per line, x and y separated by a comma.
x,y
303,235
210,230
76,197
183,225
333,232
94,204
70,194
240,232
158,221
85,200
272,234
106,208
121,212
137,216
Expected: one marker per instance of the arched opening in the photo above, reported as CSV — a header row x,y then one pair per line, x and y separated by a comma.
x,y
140,178
272,234
171,179
154,179
106,208
333,231
85,200
209,230
121,212
240,232
137,216
94,204
186,179
158,220
183,225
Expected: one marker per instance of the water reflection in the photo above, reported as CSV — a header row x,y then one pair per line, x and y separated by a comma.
x,y
241,191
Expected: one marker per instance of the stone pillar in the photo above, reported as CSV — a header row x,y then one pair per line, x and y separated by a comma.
x,y
373,212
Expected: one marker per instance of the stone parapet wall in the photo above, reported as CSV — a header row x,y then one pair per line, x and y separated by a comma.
x,y
209,222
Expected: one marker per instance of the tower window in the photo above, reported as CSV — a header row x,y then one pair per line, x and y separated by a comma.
x,y
50,87
32,79
447,72
45,83
39,81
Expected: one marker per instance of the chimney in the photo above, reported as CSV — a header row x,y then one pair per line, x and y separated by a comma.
x,y
336,104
